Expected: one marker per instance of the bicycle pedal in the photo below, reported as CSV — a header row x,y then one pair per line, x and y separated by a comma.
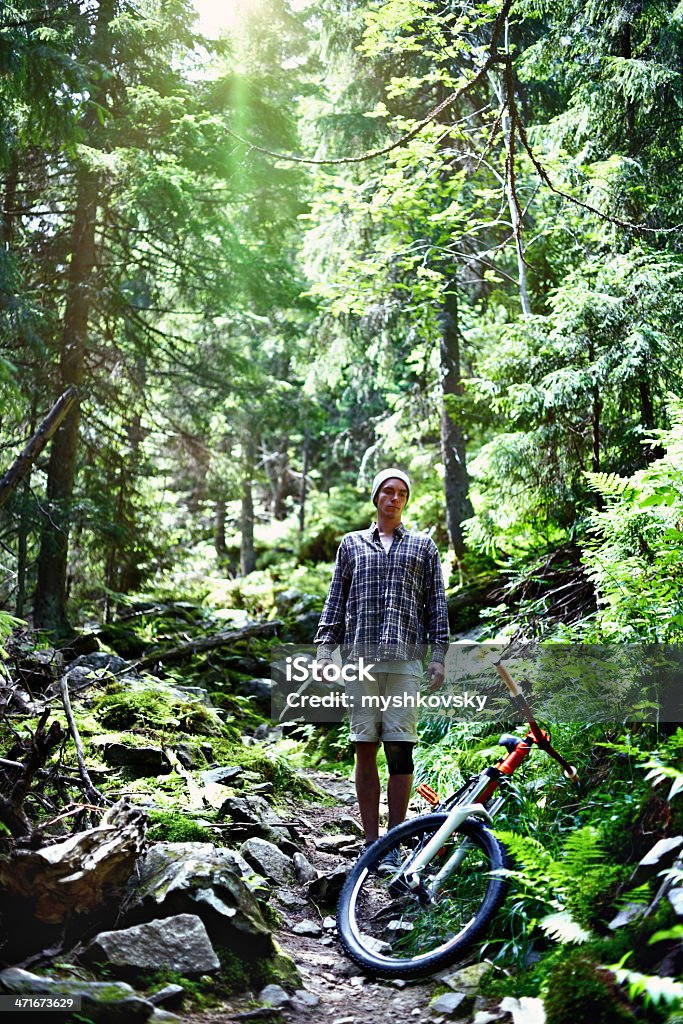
x,y
428,794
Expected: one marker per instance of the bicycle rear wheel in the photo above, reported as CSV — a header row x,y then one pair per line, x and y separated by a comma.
x,y
396,931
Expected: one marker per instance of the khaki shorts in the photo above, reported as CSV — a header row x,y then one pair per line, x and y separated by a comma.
x,y
379,710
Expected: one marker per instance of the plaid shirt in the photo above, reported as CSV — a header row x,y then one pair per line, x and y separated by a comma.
x,y
385,606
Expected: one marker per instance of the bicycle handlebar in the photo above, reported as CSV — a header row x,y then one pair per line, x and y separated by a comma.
x,y
520,701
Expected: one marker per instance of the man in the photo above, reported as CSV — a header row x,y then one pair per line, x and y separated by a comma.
x,y
386,602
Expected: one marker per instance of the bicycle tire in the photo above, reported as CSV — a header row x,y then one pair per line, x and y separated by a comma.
x,y
392,932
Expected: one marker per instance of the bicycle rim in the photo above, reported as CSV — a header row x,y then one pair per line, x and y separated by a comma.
x,y
395,930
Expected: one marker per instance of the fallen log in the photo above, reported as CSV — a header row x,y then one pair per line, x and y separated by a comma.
x,y
73,877
205,643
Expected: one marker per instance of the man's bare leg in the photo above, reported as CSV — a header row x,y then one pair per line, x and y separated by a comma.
x,y
398,797
367,789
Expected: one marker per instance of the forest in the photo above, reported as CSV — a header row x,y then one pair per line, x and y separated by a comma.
x,y
242,271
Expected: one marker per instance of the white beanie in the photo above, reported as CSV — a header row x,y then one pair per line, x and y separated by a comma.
x,y
388,474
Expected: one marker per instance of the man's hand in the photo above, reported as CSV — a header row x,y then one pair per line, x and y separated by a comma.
x,y
436,674
319,665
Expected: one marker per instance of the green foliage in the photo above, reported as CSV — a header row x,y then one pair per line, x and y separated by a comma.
x,y
174,827
578,991
155,710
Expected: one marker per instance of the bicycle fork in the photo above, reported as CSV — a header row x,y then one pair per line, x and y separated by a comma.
x,y
411,871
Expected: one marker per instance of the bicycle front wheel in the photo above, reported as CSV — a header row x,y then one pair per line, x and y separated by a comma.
x,y
397,930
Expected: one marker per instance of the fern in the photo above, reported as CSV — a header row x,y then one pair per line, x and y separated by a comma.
x,y
609,485
653,988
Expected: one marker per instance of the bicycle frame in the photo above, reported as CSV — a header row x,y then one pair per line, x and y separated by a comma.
x,y
478,793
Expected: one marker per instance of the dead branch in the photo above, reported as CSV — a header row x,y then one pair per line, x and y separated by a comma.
x,y
92,794
206,643
21,465
37,749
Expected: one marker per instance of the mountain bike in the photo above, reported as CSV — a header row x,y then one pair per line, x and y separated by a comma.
x,y
449,881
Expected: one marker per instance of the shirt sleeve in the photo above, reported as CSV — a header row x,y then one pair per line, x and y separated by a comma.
x,y
331,626
436,608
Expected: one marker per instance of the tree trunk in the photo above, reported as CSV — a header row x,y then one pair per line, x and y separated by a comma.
x,y
456,481
10,200
219,529
304,476
49,610
247,556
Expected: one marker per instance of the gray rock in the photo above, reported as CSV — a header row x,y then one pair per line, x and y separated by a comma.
x,y
265,858
326,888
303,869
255,815
329,923
273,995
201,879
164,1017
111,1002
258,690
99,661
675,898
304,1000
197,693
351,825
628,913
447,1004
289,899
467,979
169,995
333,844
661,855
221,775
185,755
309,928
179,943
143,760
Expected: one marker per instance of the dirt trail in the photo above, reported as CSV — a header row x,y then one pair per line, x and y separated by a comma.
x,y
345,994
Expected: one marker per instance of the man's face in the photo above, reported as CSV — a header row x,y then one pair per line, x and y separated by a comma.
x,y
391,499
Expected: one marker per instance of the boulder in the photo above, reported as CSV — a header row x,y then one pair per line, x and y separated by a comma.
x,y
179,943
273,995
98,661
169,995
101,1002
326,888
467,979
258,690
336,844
662,855
221,775
201,879
148,760
309,928
449,1004
268,860
303,1000
303,869
254,817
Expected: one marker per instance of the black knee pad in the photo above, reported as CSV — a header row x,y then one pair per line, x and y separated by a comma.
x,y
399,757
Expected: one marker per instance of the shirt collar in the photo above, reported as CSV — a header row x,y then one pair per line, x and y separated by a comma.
x,y
373,532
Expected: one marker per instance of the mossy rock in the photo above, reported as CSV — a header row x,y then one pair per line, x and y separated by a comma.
x,y
154,709
173,827
579,991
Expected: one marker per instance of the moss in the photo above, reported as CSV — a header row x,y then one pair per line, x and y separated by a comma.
x,y
273,769
579,991
173,827
154,709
